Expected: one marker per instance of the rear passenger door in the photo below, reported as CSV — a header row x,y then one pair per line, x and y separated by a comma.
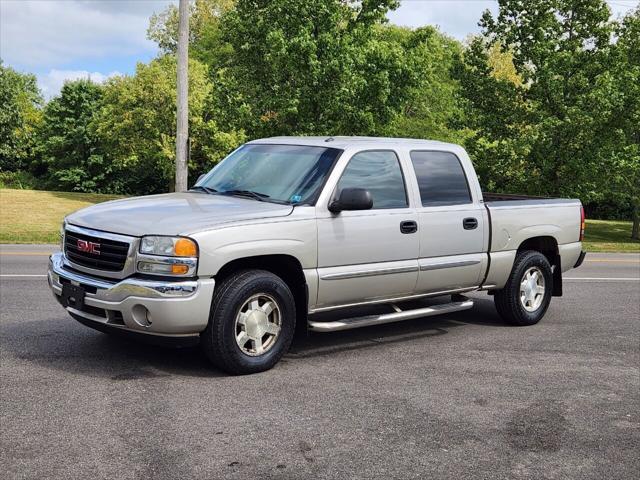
x,y
364,255
451,225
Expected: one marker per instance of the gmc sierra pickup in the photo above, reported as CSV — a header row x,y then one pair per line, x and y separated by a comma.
x,y
287,228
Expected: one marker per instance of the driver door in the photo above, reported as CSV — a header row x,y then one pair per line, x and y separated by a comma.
x,y
369,255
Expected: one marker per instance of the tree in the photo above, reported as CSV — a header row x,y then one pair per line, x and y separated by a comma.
x,y
620,158
500,61
553,125
629,45
310,67
496,112
204,27
137,124
560,48
20,115
70,151
433,107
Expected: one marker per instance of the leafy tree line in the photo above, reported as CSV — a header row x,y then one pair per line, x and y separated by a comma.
x,y
570,124
546,99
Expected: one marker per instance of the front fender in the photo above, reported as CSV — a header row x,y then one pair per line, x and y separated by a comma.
x,y
218,247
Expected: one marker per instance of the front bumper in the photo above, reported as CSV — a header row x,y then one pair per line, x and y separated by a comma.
x,y
160,308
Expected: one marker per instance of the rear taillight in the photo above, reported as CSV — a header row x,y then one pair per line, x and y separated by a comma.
x,y
581,223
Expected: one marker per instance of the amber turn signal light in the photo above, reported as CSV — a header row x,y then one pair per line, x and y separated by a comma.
x,y
185,248
179,269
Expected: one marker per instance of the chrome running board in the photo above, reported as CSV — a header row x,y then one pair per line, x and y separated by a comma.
x,y
397,316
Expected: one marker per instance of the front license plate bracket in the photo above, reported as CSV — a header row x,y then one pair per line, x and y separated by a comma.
x,y
72,296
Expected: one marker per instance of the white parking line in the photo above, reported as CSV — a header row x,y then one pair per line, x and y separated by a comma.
x,y
11,275
611,279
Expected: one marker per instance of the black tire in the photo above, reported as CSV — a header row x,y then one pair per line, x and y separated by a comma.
x,y
219,338
507,300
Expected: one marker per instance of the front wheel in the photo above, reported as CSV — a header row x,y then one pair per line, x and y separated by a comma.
x,y
526,295
251,323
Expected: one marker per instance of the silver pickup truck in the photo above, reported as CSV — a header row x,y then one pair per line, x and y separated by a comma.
x,y
286,229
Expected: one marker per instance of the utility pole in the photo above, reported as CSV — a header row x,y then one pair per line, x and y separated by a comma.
x,y
182,133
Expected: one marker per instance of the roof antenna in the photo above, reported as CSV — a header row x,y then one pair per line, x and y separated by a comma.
x,y
329,139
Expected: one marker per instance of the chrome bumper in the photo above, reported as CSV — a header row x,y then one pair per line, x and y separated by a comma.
x,y
168,308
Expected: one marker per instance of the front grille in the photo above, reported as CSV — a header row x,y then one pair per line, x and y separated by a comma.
x,y
112,256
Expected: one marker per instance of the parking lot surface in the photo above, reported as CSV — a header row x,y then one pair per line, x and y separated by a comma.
x,y
458,396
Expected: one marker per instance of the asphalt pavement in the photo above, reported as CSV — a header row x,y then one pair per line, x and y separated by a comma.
x,y
461,396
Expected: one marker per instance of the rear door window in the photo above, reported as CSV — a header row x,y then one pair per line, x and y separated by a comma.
x,y
441,178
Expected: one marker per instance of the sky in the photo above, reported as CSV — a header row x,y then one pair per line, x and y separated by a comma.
x,y
60,40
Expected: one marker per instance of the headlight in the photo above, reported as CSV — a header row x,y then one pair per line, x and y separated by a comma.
x,y
169,246
168,256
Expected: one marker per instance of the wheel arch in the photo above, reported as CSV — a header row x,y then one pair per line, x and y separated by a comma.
x,y
547,246
287,267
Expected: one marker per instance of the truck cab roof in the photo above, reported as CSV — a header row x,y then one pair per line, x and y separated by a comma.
x,y
344,142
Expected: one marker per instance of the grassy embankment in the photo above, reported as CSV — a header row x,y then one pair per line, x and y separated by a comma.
x,y
29,216
609,236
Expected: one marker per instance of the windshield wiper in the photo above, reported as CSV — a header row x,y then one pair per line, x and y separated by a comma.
x,y
203,188
261,197
247,193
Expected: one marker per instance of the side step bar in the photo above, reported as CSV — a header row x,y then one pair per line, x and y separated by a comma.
x,y
398,316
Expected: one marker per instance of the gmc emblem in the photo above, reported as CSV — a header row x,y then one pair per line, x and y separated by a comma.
x,y
88,247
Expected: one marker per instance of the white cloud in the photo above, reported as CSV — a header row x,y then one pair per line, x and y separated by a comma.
x,y
47,34
52,82
136,7
457,18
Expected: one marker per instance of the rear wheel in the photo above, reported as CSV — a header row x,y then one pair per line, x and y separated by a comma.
x,y
526,296
251,323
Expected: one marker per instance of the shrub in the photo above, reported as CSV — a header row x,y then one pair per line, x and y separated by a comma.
x,y
20,180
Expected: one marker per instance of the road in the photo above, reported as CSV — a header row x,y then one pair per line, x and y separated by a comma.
x,y
460,396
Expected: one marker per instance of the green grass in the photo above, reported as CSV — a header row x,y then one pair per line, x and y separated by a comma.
x,y
609,236
33,216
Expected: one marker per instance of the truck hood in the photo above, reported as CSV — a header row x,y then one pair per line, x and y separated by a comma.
x,y
173,213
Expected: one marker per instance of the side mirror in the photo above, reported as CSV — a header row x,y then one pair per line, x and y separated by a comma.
x,y
200,178
352,199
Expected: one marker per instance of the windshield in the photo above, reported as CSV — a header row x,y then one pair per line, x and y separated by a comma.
x,y
280,173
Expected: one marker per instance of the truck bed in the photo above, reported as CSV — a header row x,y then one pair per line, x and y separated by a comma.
x,y
513,218
516,218
493,200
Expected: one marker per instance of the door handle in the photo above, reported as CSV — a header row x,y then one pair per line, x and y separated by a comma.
x,y
408,226
470,223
